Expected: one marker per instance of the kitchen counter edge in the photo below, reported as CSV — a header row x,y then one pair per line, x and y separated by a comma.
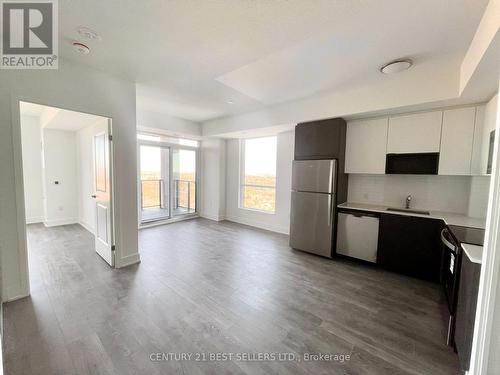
x,y
449,218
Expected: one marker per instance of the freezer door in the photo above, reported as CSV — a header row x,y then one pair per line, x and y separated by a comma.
x,y
311,222
314,175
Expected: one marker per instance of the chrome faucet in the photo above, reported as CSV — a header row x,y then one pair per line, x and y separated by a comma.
x,y
408,201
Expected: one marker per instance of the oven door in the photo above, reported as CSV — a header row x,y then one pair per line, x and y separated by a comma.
x,y
449,278
449,263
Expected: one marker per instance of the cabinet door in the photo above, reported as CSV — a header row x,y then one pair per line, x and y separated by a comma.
x,y
466,310
323,139
410,245
477,146
456,141
420,132
366,146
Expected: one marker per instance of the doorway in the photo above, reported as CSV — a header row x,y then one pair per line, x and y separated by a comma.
x,y
168,178
68,173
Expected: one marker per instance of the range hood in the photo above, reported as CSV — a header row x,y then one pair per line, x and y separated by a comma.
x,y
420,163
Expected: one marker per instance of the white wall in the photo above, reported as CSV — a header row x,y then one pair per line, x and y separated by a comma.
x,y
478,198
213,178
77,88
60,201
32,168
439,193
162,121
280,220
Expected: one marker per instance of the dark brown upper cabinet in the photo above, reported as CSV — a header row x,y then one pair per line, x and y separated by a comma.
x,y
323,139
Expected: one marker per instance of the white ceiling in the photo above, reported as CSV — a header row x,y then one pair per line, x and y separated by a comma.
x,y
189,57
56,118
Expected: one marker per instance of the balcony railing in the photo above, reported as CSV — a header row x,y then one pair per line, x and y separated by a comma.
x,y
152,194
185,195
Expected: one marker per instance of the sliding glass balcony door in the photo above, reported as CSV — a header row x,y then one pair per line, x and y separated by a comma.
x,y
155,183
168,180
184,178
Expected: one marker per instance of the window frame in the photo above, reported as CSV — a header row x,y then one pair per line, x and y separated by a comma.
x,y
241,182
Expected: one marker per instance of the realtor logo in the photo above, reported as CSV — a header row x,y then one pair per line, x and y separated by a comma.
x,y
29,34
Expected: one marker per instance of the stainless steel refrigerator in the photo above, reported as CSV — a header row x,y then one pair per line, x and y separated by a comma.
x,y
313,206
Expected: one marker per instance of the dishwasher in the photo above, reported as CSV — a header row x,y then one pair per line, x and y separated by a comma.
x,y
357,235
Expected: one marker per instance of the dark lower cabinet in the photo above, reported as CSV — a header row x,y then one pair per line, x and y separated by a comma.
x,y
466,309
410,245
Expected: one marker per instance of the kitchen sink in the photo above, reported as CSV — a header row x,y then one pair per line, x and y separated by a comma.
x,y
408,210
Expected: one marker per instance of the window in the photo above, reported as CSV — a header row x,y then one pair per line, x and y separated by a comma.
x,y
258,174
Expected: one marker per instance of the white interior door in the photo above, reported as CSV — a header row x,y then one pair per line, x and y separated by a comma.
x,y
102,193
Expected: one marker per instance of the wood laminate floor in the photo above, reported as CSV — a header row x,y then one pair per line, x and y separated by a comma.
x,y
205,287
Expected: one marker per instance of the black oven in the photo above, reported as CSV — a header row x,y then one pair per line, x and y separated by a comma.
x,y
450,276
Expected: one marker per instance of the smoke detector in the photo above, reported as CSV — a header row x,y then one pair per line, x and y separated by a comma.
x,y
81,48
88,33
396,66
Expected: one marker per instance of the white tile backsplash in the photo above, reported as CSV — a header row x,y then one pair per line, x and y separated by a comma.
x,y
439,193
479,191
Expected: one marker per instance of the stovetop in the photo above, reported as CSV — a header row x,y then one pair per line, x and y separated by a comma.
x,y
474,236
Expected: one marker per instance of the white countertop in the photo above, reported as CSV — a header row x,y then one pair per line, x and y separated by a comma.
x,y
448,217
474,252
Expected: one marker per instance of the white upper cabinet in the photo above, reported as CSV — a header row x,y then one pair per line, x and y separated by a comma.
x,y
456,141
476,165
485,125
366,146
419,132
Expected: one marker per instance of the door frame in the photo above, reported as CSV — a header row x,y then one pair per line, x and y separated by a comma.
x,y
171,147
16,100
487,312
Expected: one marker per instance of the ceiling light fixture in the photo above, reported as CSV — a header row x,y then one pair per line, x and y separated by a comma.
x,y
396,66
89,34
81,48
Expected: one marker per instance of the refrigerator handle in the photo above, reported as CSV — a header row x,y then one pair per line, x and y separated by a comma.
x,y
330,210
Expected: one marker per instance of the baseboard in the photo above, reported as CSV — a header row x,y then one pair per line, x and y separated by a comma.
x,y
258,224
34,220
87,227
213,217
128,260
55,223
13,293
172,220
